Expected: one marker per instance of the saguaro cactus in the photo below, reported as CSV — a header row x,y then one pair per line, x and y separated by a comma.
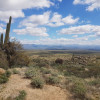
x,y
6,35
7,31
2,40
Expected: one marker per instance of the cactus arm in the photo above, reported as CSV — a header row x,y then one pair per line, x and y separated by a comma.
x,y
7,31
2,40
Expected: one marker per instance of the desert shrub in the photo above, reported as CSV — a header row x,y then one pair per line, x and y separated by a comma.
x,y
21,96
93,71
8,73
37,82
75,70
3,60
53,80
95,82
79,71
10,50
54,73
4,77
61,67
77,86
15,71
45,70
14,55
32,72
20,59
79,89
41,62
59,61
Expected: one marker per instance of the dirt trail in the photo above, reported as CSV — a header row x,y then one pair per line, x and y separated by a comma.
x,y
17,83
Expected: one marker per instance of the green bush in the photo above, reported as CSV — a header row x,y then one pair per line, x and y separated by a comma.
x,y
37,82
32,72
21,96
41,62
20,59
95,82
94,71
3,78
8,73
79,89
45,70
3,61
53,80
77,71
54,73
15,71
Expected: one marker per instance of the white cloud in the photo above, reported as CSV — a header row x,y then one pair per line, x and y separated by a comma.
x,y
70,20
62,41
34,23
2,25
56,17
34,31
4,15
81,29
24,4
92,4
44,19
57,20
35,20
2,30
60,0
75,36
15,8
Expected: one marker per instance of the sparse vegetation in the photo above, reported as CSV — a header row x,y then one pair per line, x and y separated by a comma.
x,y
15,71
21,96
8,73
45,70
32,72
79,89
95,82
4,77
37,82
53,80
78,77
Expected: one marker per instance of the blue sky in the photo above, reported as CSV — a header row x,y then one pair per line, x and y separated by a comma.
x,y
52,22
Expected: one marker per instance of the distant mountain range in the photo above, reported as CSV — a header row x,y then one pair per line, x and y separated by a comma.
x,y
60,47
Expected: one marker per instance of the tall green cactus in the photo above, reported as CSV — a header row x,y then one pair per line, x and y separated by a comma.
x,y
7,31
6,35
2,40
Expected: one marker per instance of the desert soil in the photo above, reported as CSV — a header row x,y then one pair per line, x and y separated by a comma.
x,y
17,83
